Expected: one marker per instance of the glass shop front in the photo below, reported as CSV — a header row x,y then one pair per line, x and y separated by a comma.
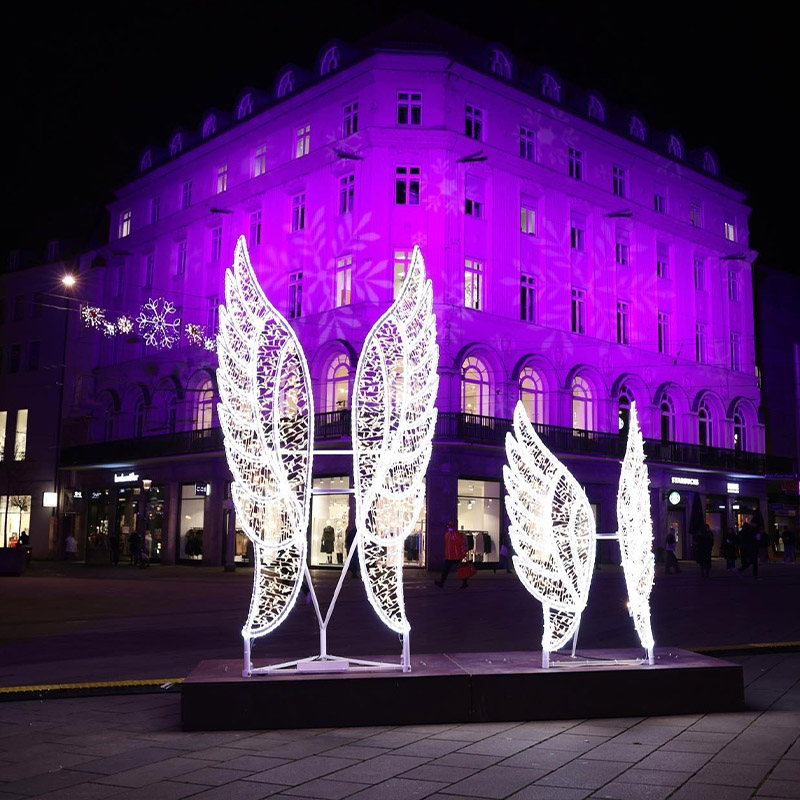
x,y
479,519
330,518
192,517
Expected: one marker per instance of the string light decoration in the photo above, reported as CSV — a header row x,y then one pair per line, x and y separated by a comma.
x,y
552,530
124,324
394,417
93,317
109,329
209,343
266,412
156,325
195,333
636,533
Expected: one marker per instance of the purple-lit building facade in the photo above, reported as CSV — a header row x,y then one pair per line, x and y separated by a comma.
x,y
580,262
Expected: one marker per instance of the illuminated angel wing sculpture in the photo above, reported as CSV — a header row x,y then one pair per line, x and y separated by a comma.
x,y
266,412
552,530
393,423
636,533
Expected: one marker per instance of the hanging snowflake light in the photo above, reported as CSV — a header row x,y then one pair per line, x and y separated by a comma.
x,y
92,316
195,333
109,329
210,343
156,324
124,324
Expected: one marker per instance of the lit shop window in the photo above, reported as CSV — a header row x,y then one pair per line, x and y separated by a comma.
x,y
330,519
479,519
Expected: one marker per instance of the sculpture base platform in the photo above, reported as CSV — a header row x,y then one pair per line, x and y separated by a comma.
x,y
463,687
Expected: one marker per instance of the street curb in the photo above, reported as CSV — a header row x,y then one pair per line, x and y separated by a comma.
x,y
54,691
754,649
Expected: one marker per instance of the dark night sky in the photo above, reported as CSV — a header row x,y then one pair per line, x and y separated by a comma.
x,y
85,93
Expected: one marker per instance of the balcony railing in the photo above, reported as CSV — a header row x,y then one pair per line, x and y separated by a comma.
x,y
450,427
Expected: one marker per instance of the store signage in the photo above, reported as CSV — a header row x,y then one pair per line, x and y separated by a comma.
x,y
77,495
201,489
733,488
49,500
674,498
679,480
126,477
96,495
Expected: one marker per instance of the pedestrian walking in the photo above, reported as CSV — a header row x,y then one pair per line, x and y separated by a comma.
x,y
671,562
729,549
71,547
455,548
788,537
113,547
748,547
135,542
703,545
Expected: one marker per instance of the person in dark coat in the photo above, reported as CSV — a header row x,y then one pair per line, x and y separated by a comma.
x,y
704,543
729,549
135,542
113,547
748,546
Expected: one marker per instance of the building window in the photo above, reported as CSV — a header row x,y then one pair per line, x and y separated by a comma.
x,y
124,224
595,109
473,197
286,85
623,323
222,179
730,229
622,250
663,332
577,233
401,260
138,418
624,411
302,141
406,186
550,88
474,387
347,186
34,349
739,432
216,243
245,106
204,406
298,212
527,217
212,315
736,352
473,122
576,164
636,129
180,258
709,164
209,126
527,144
578,309
619,182
155,209
705,425
330,61
172,414
338,383
473,284
660,199
733,285
295,295
186,195
149,267
409,108
3,423
667,418
531,392
527,298
21,435
696,214
662,260
255,229
582,405
700,346
699,274
674,147
499,65
350,118
344,271
176,144
260,160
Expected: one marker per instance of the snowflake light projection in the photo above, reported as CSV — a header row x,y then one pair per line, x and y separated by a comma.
x,y
109,329
124,324
156,324
93,317
210,343
552,530
266,412
636,533
195,333
393,422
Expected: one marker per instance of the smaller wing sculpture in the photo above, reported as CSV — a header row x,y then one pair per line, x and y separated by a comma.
x,y
266,415
393,422
636,533
552,530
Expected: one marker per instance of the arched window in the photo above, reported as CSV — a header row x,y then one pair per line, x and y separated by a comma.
x,y
531,392
338,383
286,85
499,65
176,144
138,418
636,129
245,107
674,147
739,432
330,61
667,410
624,411
705,433
709,164
204,406
550,87
595,109
474,387
146,161
582,405
209,126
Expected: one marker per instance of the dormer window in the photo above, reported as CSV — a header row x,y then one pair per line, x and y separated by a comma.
x,y
146,161
709,164
550,88
499,64
330,61
176,144
636,129
286,85
245,107
209,126
594,108
674,147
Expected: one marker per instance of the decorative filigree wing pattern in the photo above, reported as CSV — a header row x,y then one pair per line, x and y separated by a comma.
x,y
552,530
393,422
636,531
266,415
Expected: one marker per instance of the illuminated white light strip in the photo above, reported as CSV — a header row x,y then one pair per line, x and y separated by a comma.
x,y
394,417
552,530
636,533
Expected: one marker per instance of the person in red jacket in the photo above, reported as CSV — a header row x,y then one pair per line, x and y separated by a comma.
x,y
455,548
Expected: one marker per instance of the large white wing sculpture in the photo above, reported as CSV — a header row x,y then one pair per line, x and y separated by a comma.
x,y
552,530
393,423
636,533
266,412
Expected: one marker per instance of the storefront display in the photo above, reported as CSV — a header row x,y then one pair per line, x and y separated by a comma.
x,y
128,500
154,523
330,518
479,519
15,517
192,515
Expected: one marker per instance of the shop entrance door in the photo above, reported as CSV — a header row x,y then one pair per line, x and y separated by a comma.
x,y
676,524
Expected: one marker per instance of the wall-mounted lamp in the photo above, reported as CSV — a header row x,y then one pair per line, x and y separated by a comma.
x,y
49,500
146,484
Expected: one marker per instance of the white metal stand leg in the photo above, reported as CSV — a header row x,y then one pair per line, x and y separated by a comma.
x,y
247,669
545,659
650,656
575,637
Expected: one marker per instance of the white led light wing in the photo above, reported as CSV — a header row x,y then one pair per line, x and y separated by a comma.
x,y
393,423
552,530
636,532
266,415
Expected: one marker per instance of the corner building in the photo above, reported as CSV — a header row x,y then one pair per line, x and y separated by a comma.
x,y
580,262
